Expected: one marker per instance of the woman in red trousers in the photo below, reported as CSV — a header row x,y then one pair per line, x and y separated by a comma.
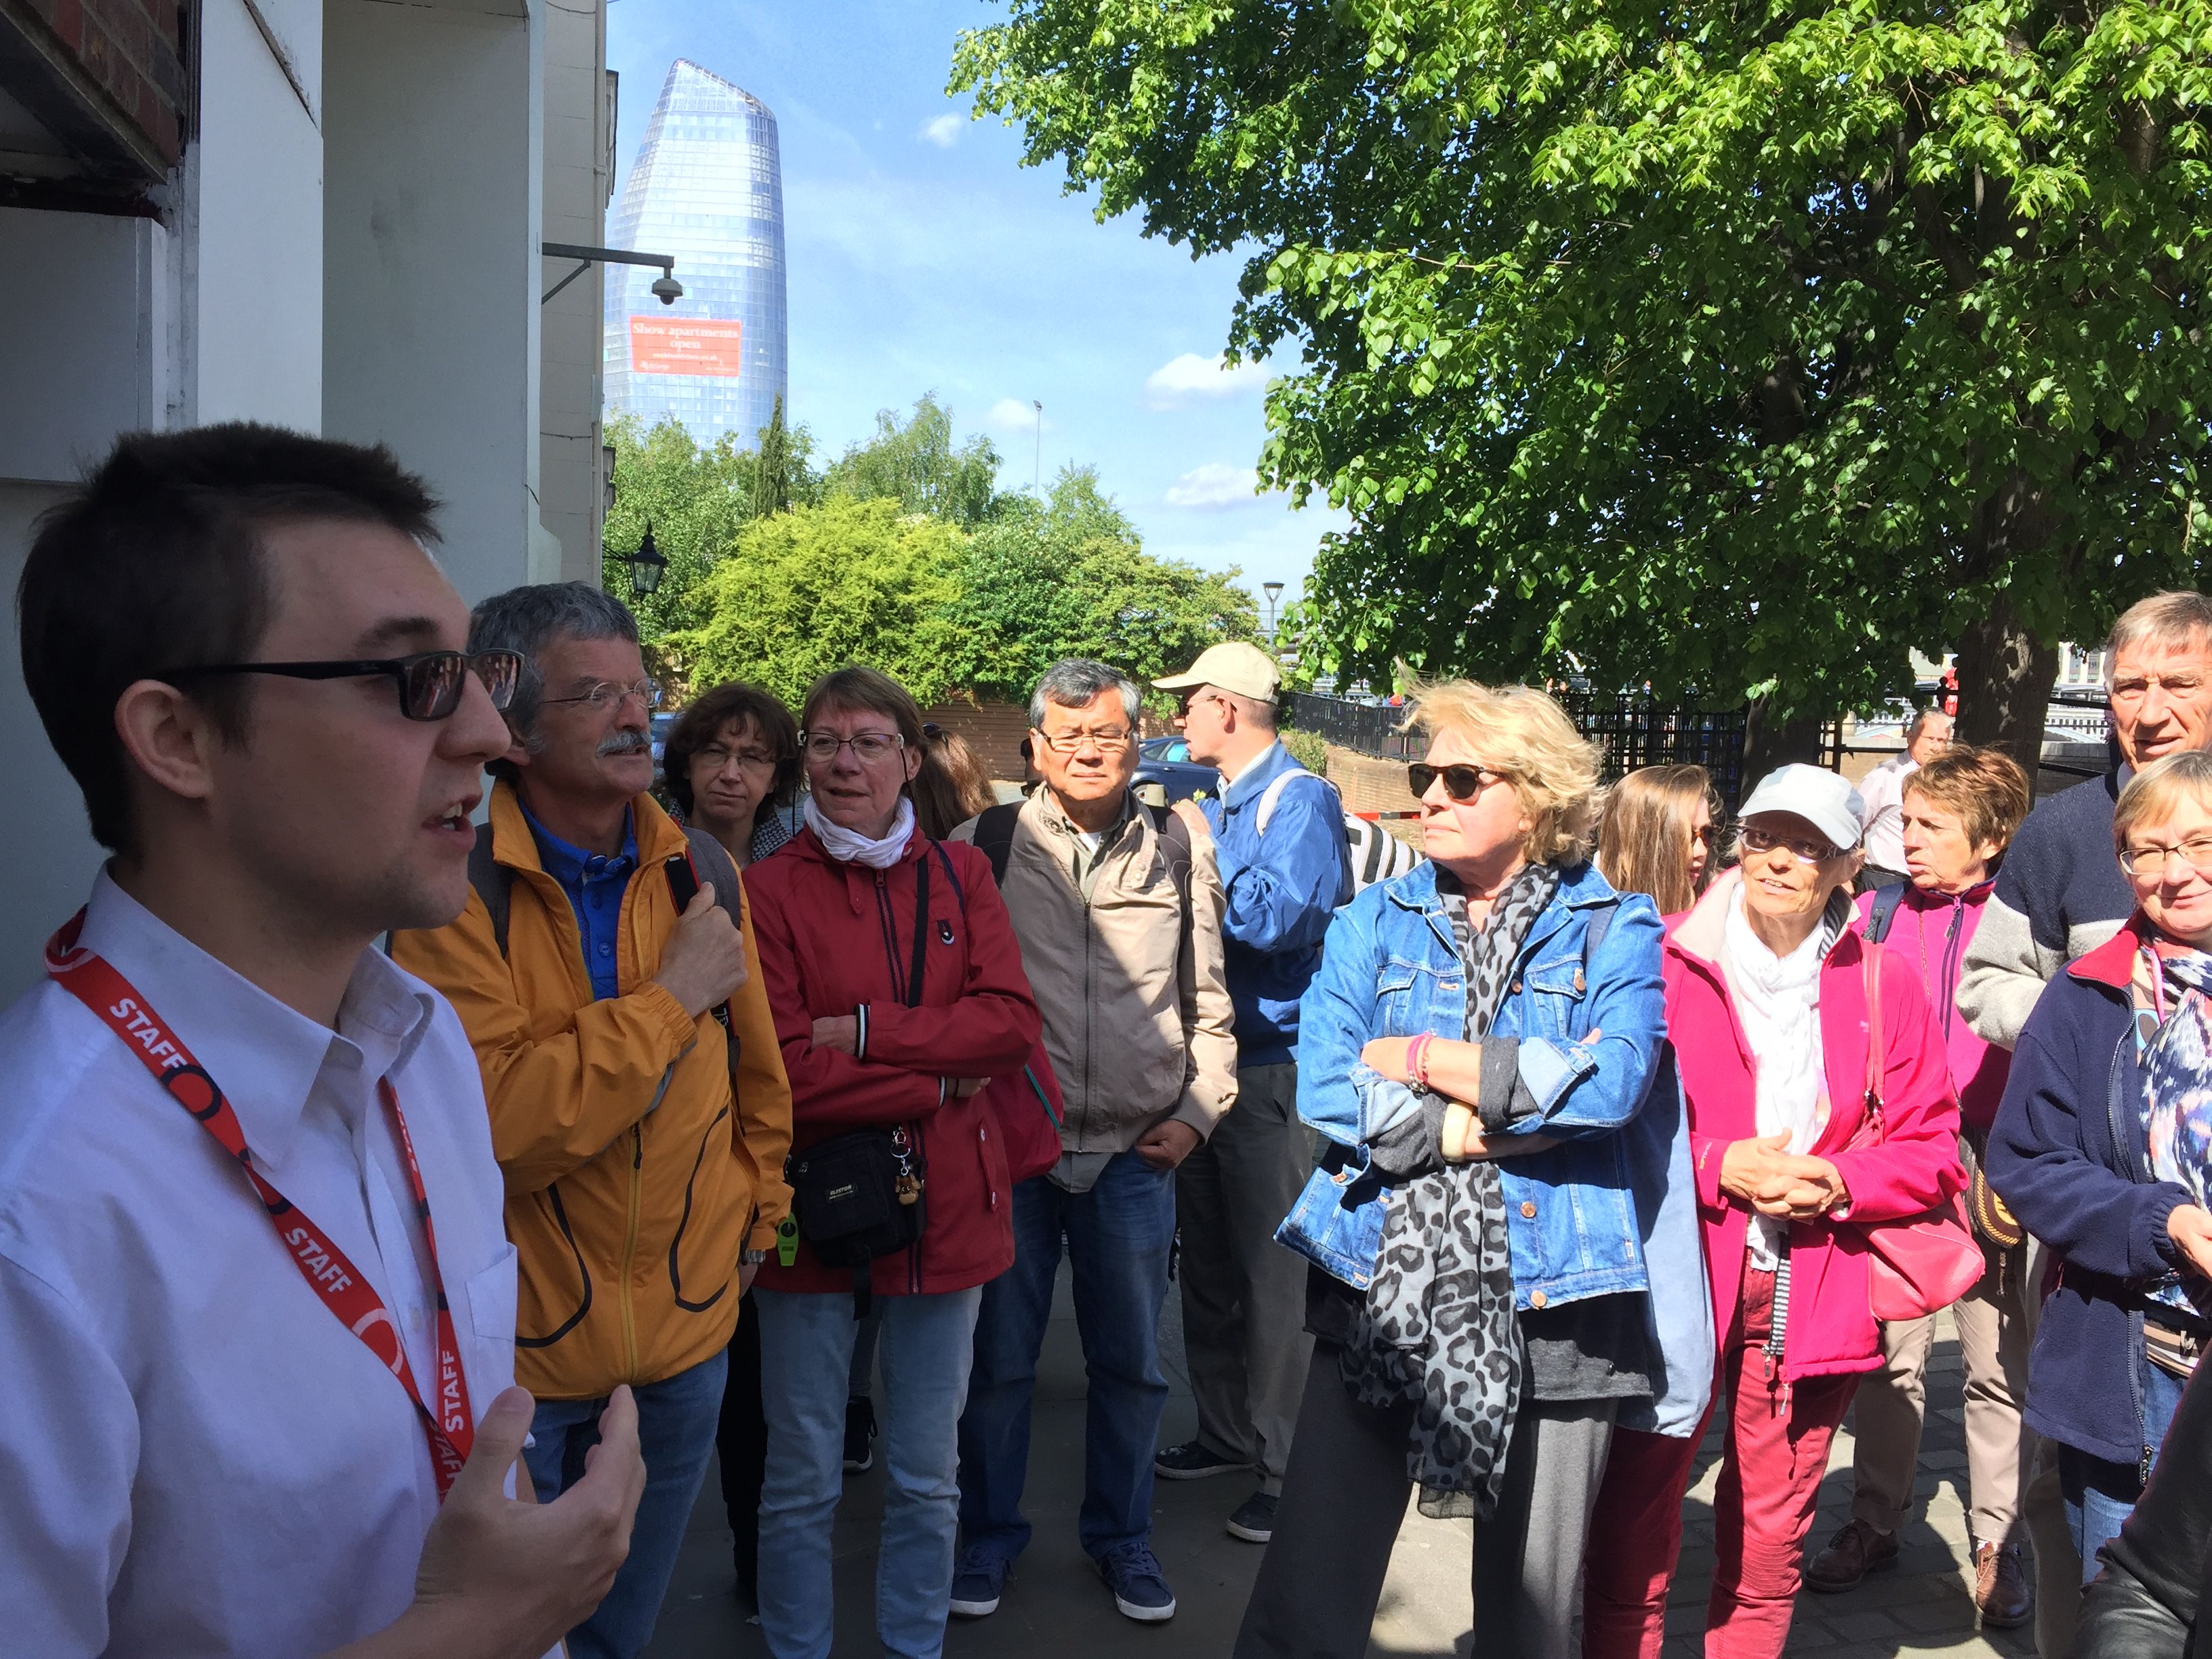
x,y
1766,1008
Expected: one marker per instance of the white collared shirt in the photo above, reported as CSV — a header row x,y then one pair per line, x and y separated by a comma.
x,y
195,1457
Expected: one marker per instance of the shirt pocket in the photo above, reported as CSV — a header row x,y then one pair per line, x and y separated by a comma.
x,y
1413,996
490,1337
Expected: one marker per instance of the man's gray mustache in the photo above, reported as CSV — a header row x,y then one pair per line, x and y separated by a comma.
x,y
626,743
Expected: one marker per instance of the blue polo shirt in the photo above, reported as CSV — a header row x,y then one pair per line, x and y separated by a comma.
x,y
595,886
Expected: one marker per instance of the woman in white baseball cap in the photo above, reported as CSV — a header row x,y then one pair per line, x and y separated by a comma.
x,y
1767,1011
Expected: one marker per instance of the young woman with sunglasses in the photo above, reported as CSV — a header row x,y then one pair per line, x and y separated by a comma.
x,y
1767,1016
1479,1040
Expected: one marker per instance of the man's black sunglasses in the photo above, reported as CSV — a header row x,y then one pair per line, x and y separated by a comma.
x,y
430,682
1462,783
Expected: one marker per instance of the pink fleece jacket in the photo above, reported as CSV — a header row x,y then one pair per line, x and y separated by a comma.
x,y
1916,1165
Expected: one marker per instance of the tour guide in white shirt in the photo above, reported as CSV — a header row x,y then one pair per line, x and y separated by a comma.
x,y
198,1455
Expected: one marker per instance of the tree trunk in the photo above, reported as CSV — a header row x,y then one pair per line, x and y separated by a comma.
x,y
2005,677
1769,743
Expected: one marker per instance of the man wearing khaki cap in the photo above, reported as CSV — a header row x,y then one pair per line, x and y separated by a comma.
x,y
1284,864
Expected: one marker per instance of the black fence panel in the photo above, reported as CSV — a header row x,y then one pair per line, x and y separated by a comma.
x,y
1364,728
1634,731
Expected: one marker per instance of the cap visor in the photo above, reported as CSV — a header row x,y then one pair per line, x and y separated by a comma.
x,y
1179,682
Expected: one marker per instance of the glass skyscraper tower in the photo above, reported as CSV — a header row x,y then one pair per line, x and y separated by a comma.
x,y
706,187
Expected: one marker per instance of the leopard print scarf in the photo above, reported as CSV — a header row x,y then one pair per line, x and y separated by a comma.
x,y
1437,1328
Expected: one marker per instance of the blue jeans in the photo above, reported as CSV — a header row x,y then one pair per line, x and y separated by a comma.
x,y
2099,1496
1118,1234
675,1422
806,1357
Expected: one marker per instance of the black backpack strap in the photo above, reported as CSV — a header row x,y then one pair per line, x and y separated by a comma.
x,y
994,834
1175,837
1601,923
1885,901
921,931
682,869
493,883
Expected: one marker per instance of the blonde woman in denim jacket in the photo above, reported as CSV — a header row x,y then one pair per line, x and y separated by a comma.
x,y
1478,1052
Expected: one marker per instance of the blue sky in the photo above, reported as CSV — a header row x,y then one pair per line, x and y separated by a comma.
x,y
923,258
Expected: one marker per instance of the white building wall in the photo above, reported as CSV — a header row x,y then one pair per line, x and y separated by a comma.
x,y
432,118
255,285
577,177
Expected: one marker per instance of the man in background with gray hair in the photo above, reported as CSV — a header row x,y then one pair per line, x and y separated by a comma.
x,y
643,1148
1882,793
2059,894
1118,910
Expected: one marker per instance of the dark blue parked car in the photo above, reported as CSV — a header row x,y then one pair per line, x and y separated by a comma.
x,y
1166,774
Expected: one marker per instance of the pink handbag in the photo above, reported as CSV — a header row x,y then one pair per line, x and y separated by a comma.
x,y
1919,1263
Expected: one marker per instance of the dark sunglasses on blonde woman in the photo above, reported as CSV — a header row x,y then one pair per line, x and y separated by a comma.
x,y
1462,783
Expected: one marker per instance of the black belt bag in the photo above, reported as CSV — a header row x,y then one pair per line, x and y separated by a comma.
x,y
858,1195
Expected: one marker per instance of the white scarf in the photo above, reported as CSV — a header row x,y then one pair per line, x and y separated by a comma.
x,y
1777,999
848,847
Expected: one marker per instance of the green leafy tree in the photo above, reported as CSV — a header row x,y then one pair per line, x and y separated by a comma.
x,y
1069,577
818,587
1720,346
695,500
916,464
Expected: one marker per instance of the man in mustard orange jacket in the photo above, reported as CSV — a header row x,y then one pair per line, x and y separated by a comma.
x,y
642,1187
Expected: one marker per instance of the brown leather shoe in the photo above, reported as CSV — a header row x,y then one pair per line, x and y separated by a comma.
x,y
2001,1593
1856,1550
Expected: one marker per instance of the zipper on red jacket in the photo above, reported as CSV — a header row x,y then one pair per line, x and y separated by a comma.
x,y
888,923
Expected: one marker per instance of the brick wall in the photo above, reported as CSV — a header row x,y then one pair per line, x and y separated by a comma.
x,y
132,50
993,730
1368,784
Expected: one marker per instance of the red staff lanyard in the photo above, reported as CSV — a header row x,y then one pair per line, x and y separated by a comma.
x,y
449,1425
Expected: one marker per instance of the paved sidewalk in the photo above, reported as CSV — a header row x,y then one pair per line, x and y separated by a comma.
x,y
1055,1604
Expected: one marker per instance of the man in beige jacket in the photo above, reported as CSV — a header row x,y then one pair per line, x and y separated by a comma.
x,y
1118,910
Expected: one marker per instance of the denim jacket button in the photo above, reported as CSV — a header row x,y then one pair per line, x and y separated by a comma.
x,y
1536,1299
1528,1211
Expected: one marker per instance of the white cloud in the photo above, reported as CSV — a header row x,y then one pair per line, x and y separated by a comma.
x,y
1212,488
944,131
1014,415
1177,381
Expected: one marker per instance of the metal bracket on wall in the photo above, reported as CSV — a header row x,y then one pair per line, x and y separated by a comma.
x,y
591,256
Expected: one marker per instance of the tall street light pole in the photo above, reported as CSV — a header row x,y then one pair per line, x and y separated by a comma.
x,y
1037,483
1275,591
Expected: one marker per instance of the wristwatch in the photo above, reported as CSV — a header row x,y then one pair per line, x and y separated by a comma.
x,y
751,1258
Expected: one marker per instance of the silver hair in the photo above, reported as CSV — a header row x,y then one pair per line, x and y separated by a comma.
x,y
528,619
1078,682
2175,620
1918,724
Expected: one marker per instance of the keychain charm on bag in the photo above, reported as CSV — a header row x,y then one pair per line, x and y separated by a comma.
x,y
909,1183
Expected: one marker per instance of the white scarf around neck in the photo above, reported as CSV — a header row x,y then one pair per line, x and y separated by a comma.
x,y
1777,999
847,846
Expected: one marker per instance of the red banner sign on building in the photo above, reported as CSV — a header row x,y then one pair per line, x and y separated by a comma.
x,y
686,345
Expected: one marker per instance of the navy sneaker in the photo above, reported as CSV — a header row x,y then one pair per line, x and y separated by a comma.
x,y
1253,1520
1194,1459
1140,1588
977,1583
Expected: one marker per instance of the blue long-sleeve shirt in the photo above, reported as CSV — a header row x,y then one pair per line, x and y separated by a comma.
x,y
1283,887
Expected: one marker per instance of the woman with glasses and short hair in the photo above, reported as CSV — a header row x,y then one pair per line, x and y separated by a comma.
x,y
732,766
896,985
1767,1011
1476,1050
2102,1149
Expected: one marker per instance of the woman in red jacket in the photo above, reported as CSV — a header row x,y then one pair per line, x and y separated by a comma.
x,y
1767,1013
898,992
